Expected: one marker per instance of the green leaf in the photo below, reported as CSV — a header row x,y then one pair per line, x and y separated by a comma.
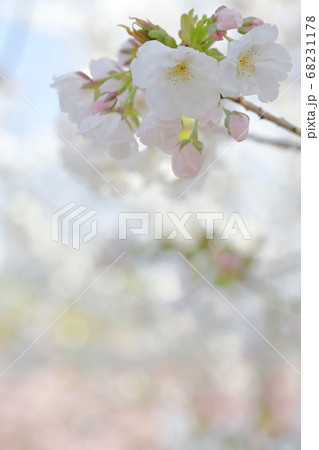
x,y
188,22
158,35
215,54
162,36
169,41
194,32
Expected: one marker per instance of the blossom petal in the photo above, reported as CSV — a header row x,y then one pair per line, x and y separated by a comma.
x,y
144,66
180,81
100,68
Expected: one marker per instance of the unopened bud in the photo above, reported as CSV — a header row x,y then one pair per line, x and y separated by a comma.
x,y
104,103
237,125
249,23
149,31
145,24
140,36
227,19
187,160
215,33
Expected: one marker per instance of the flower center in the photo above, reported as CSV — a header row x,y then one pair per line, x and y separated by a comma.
x,y
180,72
247,62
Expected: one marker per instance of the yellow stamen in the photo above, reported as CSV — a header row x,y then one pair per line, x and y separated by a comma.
x,y
247,62
180,72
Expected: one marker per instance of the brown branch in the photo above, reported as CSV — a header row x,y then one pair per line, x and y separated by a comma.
x,y
265,115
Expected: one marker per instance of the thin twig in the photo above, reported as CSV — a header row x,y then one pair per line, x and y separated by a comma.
x,y
276,143
265,115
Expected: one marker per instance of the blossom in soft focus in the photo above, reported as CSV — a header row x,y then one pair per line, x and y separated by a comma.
x,y
101,68
187,160
227,18
104,68
255,64
104,103
127,52
123,150
154,131
229,262
177,82
74,100
77,101
249,23
237,125
109,129
211,119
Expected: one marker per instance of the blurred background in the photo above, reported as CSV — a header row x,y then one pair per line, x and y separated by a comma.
x,y
151,357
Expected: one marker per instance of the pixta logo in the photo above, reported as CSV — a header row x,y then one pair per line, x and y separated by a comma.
x,y
147,224
74,225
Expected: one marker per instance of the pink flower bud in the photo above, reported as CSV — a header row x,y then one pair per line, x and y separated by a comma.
x,y
237,125
104,103
249,23
218,35
227,19
187,161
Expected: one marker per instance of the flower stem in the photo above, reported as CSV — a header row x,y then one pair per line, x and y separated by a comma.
x,y
130,98
115,75
125,85
194,135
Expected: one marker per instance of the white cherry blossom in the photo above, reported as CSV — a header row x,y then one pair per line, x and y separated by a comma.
x,y
177,82
255,64
74,100
111,131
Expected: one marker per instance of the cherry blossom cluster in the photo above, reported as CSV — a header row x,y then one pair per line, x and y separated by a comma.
x,y
157,87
